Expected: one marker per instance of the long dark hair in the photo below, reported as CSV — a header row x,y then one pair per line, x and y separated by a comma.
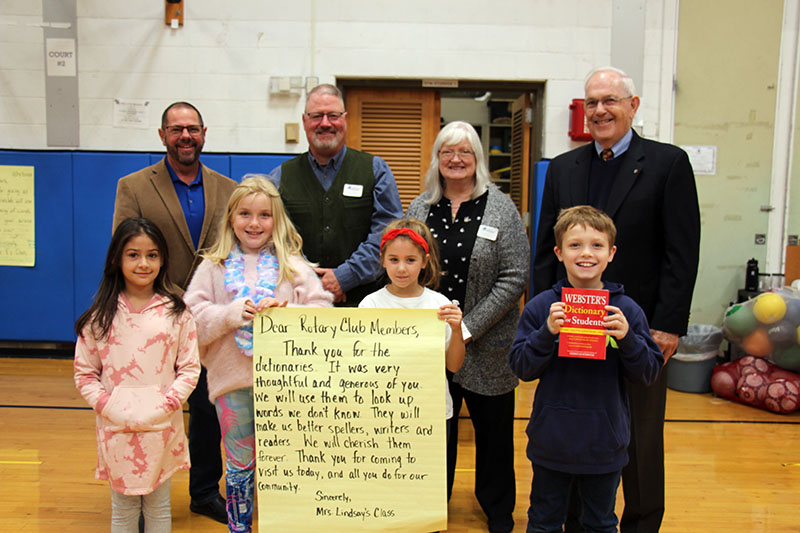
x,y
102,311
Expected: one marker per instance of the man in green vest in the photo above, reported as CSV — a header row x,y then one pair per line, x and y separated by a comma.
x,y
340,199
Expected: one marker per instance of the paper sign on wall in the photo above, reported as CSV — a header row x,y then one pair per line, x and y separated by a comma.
x,y
17,223
131,114
350,420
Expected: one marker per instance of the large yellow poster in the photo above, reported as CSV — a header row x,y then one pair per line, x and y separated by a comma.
x,y
17,232
350,420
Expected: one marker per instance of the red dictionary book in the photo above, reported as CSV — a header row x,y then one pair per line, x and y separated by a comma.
x,y
583,333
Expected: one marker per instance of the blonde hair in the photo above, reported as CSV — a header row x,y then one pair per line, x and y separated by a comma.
x,y
588,217
285,241
428,276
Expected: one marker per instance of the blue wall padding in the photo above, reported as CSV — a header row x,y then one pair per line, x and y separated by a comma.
x,y
37,301
255,163
95,185
74,204
539,174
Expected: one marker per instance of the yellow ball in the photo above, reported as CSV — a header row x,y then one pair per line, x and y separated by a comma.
x,y
769,308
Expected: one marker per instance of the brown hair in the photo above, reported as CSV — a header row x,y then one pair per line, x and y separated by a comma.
x,y
588,217
428,276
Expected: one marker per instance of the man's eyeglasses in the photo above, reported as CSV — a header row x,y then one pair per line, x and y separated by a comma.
x,y
447,155
333,116
176,131
608,101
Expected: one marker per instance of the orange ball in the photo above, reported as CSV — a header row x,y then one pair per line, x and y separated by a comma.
x,y
757,343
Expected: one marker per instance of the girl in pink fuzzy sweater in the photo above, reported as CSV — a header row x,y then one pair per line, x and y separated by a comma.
x,y
135,364
256,264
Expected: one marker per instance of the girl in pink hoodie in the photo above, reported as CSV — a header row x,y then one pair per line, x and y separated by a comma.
x,y
257,263
136,362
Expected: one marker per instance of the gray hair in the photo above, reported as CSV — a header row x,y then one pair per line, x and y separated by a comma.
x,y
454,133
325,88
627,81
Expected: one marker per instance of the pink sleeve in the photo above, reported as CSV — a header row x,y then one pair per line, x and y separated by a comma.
x,y
307,288
206,298
187,363
88,367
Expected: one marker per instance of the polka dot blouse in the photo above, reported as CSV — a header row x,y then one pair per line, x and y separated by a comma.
x,y
456,237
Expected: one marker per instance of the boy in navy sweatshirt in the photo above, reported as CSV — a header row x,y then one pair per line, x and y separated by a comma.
x,y
580,424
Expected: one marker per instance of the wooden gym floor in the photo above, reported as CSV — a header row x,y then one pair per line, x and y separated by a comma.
x,y
729,467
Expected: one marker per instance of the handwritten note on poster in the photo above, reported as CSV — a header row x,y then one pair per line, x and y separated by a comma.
x,y
17,230
350,420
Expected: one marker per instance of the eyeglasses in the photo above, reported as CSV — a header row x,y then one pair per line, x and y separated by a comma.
x,y
176,131
608,101
333,116
447,155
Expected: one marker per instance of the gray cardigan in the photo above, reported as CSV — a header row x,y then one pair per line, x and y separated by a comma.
x,y
498,274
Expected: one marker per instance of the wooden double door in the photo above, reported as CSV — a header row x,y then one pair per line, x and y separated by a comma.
x,y
400,125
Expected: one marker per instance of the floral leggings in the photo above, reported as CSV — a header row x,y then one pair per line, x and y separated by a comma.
x,y
237,422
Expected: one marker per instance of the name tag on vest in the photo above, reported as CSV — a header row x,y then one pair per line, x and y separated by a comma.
x,y
353,191
487,232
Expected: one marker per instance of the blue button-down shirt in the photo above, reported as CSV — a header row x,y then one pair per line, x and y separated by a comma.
x,y
620,147
192,201
363,265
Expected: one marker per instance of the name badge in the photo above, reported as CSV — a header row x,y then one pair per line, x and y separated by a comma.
x,y
353,191
487,232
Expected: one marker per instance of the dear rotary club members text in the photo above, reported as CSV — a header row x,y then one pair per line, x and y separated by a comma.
x,y
361,385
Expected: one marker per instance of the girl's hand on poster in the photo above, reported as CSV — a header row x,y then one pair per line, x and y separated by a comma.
x,y
268,302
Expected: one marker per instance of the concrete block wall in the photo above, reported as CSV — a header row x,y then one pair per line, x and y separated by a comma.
x,y
222,58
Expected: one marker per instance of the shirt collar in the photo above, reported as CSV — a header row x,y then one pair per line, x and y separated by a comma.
x,y
175,179
335,162
620,147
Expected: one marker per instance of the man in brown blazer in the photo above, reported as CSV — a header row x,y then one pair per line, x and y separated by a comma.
x,y
187,201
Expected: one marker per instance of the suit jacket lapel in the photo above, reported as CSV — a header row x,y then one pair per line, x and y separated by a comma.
x,y
629,172
579,176
210,199
166,190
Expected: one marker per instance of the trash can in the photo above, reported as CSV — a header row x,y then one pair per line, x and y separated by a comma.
x,y
689,370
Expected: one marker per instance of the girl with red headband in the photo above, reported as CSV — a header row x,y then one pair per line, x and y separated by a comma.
x,y
411,258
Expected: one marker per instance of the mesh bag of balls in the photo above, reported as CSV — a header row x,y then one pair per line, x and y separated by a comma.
x,y
767,327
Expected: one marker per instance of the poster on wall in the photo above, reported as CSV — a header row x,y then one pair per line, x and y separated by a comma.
x,y
131,113
350,420
702,158
17,229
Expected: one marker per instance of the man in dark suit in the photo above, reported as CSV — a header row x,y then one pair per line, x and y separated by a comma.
x,y
187,201
648,189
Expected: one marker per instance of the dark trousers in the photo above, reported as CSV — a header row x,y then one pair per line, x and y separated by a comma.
x,y
493,420
204,444
643,477
550,493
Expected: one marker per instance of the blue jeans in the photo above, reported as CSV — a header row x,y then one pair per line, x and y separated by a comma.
x,y
550,495
237,422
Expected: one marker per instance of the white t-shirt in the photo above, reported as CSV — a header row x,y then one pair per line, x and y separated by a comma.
x,y
429,299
